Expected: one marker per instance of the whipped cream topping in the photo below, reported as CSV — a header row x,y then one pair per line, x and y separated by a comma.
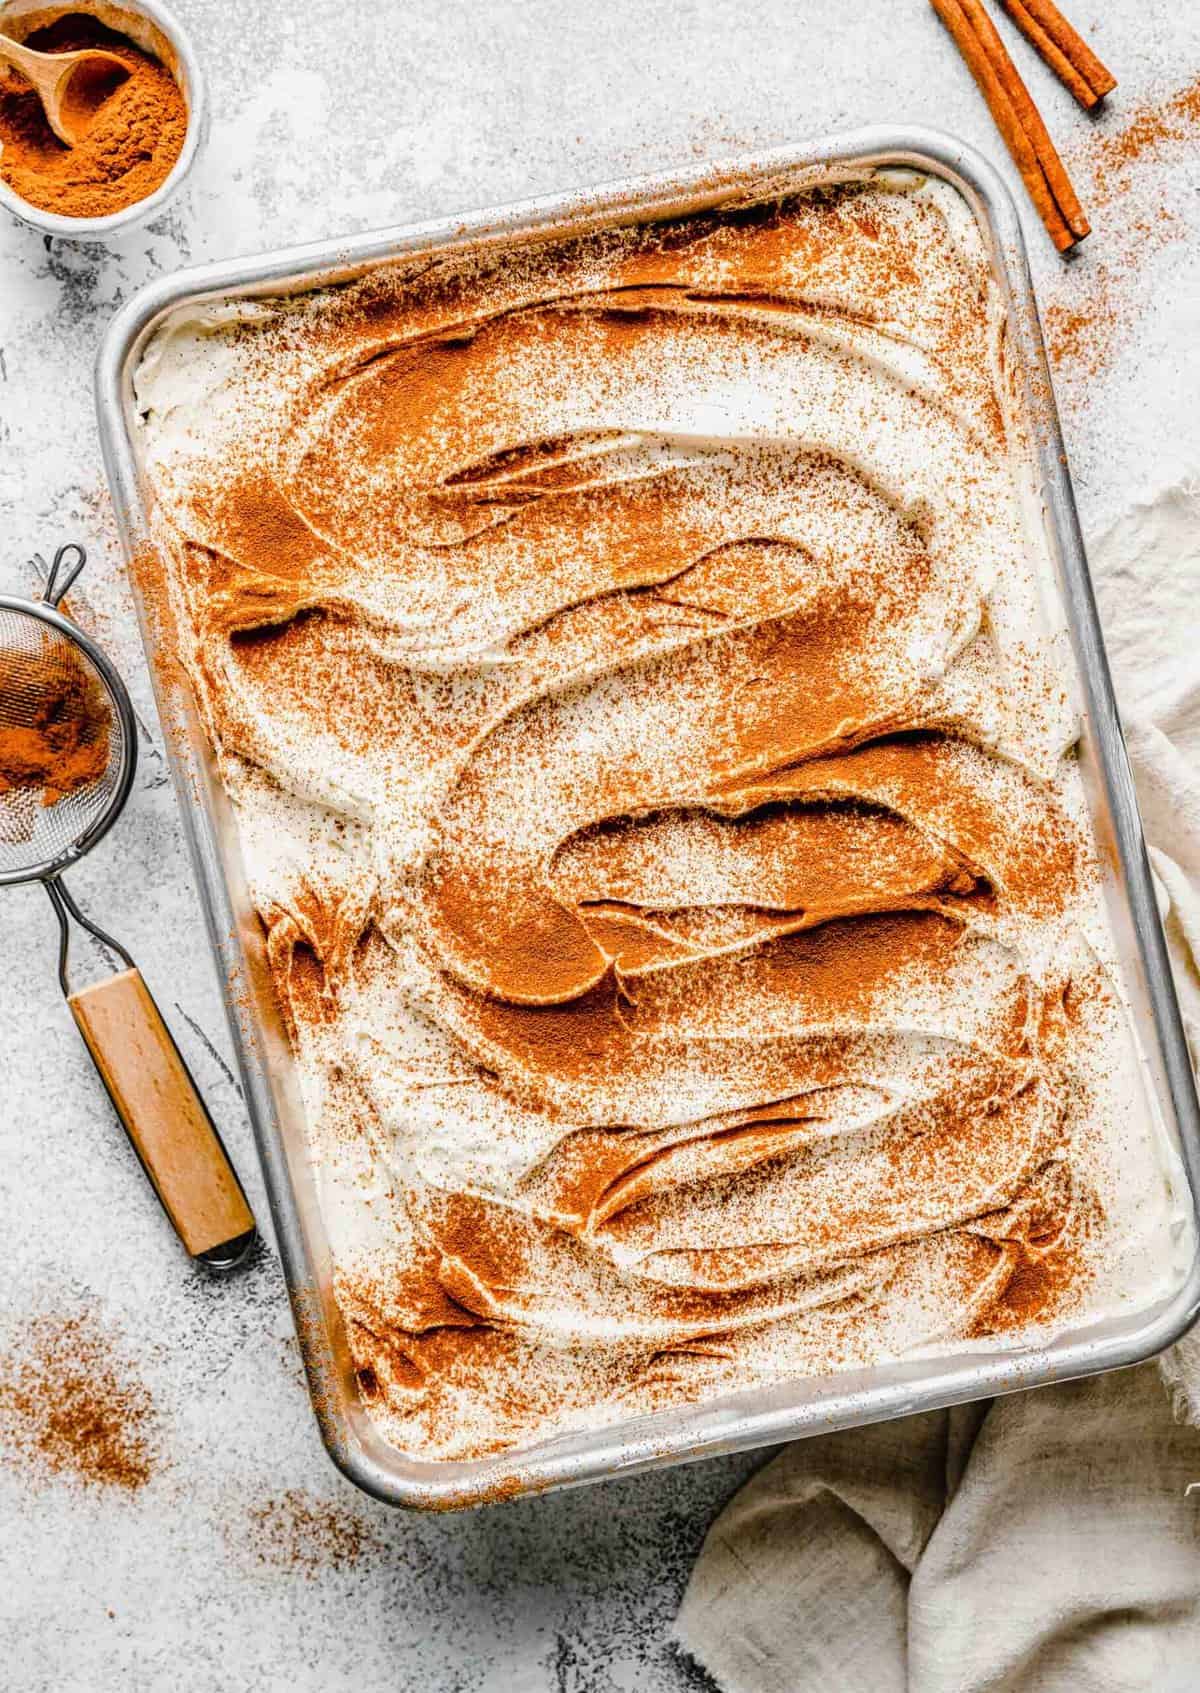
x,y
638,675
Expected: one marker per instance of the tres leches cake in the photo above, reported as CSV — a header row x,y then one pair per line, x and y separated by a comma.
x,y
637,672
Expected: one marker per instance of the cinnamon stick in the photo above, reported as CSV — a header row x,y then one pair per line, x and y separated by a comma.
x,y
1063,48
1030,118
1062,67
1017,118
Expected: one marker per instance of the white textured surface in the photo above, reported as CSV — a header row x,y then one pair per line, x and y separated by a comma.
x,y
187,1584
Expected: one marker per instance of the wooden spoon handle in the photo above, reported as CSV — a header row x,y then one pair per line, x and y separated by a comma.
x,y
22,59
50,73
164,1116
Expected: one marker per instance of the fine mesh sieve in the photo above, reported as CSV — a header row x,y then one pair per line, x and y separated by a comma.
x,y
57,690
68,751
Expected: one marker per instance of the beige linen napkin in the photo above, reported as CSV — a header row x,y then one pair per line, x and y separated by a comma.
x,y
1045,1542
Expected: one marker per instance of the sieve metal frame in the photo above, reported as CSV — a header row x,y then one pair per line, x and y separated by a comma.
x,y
755,1417
50,615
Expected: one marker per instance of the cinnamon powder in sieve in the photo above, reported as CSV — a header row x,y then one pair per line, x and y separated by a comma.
x,y
61,741
129,149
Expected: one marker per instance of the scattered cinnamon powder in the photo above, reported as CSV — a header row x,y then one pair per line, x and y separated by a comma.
x,y
1085,325
1047,1265
166,659
72,1407
1035,1292
55,722
1146,132
129,149
307,1535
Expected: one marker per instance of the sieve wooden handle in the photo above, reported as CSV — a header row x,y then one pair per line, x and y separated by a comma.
x,y
164,1116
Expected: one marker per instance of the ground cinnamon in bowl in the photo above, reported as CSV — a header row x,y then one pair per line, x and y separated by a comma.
x,y
126,154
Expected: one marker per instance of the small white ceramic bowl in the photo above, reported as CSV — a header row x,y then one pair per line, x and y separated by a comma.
x,y
156,30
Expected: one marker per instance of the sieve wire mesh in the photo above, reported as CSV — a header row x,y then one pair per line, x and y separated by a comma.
x,y
58,723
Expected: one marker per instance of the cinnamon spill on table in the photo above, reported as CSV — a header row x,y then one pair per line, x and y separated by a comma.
x,y
1150,129
1099,299
72,1407
299,1531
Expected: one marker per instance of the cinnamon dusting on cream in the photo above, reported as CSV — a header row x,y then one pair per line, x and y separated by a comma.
x,y
642,697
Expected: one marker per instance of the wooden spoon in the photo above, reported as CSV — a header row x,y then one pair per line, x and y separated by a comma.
x,y
71,86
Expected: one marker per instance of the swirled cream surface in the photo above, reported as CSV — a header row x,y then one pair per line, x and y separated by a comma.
x,y
637,673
